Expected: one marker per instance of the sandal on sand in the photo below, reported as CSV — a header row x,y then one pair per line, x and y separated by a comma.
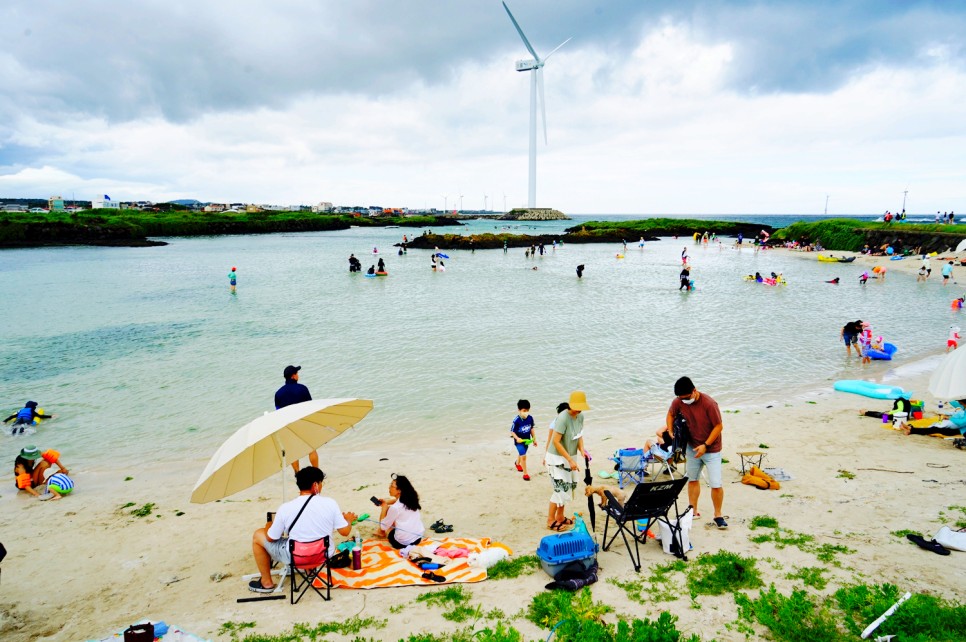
x,y
429,575
560,527
567,522
255,586
442,528
437,524
932,545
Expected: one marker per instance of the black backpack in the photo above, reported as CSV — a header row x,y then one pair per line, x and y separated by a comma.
x,y
682,435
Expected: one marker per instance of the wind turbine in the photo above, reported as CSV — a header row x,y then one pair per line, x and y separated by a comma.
x,y
535,67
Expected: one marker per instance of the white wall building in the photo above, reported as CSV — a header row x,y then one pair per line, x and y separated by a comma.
x,y
105,203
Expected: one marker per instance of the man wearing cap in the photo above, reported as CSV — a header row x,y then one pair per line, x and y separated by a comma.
x,y
294,392
704,444
567,440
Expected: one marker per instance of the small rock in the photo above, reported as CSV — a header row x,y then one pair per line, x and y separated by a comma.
x,y
217,577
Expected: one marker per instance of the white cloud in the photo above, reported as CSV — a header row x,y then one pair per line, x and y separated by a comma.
x,y
651,124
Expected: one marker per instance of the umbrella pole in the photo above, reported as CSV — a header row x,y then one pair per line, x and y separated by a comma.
x,y
281,449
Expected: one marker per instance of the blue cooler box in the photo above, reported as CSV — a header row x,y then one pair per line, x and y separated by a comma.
x,y
556,551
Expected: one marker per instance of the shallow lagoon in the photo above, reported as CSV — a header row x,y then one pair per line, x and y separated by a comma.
x,y
142,352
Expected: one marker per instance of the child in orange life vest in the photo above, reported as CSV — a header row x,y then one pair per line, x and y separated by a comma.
x,y
30,472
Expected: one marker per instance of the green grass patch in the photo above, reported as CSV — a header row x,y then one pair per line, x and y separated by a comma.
x,y
512,568
301,631
782,538
763,521
763,446
722,572
810,576
450,595
793,618
844,474
921,618
144,511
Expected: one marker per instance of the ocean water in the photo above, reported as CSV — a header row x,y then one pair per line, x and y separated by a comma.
x,y
145,349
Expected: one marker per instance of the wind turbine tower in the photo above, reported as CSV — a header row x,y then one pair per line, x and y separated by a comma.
x,y
535,67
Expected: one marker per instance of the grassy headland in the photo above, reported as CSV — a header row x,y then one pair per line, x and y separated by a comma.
x,y
653,227
133,227
593,232
852,235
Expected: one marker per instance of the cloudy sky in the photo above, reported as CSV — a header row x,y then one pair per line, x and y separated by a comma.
x,y
654,106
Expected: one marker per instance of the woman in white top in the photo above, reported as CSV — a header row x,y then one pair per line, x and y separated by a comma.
x,y
399,519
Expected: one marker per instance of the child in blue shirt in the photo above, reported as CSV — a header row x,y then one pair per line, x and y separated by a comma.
x,y
522,432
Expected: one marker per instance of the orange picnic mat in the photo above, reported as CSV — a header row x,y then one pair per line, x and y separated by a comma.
x,y
920,423
382,567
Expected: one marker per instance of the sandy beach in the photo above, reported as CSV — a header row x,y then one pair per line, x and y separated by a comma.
x,y
85,567
99,568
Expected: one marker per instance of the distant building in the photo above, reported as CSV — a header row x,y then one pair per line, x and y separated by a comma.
x,y
252,208
105,203
14,207
55,203
215,207
322,206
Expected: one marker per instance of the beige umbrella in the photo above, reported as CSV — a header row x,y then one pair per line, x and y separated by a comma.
x,y
949,379
262,447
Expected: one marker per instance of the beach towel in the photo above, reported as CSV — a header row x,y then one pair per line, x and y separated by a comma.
x,y
383,567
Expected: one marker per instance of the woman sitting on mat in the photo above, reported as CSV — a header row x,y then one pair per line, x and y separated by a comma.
x,y
955,426
399,519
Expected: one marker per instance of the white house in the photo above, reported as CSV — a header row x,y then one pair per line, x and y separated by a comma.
x,y
105,203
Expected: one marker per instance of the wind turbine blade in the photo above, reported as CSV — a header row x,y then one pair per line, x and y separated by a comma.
x,y
543,103
520,31
557,47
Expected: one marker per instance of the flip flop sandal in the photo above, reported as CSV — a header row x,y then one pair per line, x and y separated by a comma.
x,y
421,560
429,575
932,545
437,524
558,527
567,522
443,528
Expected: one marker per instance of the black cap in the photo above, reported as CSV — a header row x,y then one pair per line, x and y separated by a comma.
x,y
290,371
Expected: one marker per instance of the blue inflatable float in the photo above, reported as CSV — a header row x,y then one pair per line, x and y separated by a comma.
x,y
871,389
885,353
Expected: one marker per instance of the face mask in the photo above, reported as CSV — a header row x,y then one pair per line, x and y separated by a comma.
x,y
523,414
688,401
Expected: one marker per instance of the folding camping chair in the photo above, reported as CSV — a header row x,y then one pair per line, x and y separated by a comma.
x,y
649,503
309,559
630,465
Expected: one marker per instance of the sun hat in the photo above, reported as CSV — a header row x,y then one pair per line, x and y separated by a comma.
x,y
865,324
291,370
30,452
578,400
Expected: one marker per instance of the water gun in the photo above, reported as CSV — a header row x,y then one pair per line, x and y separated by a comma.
x,y
361,518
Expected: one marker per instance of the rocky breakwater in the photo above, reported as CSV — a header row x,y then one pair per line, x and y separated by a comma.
x,y
534,214
19,234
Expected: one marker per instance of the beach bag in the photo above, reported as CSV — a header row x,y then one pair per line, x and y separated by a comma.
x,y
139,633
955,540
342,559
682,435
668,542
